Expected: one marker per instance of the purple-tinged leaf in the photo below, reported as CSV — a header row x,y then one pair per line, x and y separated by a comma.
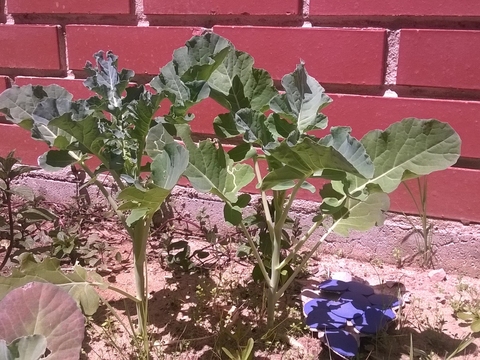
x,y
43,309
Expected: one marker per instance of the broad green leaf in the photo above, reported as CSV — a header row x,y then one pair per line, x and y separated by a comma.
x,y
157,138
224,125
303,99
18,103
104,78
5,353
184,80
475,326
211,169
140,115
55,160
168,166
28,347
232,214
309,158
252,124
407,149
25,192
236,84
149,199
136,214
34,214
77,283
363,214
46,310
242,152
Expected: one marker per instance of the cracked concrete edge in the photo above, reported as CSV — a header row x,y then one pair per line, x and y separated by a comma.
x,y
455,244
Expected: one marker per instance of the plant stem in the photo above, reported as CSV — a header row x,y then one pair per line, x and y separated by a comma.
x,y
255,252
299,267
300,243
266,208
11,225
140,237
274,270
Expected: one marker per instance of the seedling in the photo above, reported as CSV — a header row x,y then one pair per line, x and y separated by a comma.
x,y
15,225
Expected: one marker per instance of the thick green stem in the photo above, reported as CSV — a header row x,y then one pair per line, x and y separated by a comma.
x,y
281,214
266,208
276,252
140,237
307,257
299,244
256,254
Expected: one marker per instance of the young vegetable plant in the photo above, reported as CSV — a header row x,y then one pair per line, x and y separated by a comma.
x,y
280,138
17,223
115,126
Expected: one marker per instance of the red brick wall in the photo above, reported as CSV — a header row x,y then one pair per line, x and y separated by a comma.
x,y
425,51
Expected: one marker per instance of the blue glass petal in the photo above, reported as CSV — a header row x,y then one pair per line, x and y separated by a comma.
x,y
389,313
360,288
333,285
345,309
320,318
341,342
384,301
358,300
313,304
372,321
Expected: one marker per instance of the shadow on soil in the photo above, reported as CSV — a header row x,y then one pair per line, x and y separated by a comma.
x,y
198,315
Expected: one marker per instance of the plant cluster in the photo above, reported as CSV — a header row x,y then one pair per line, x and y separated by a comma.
x,y
19,223
284,148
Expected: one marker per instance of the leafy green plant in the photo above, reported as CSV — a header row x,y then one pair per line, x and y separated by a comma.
x,y
466,306
116,127
18,220
279,137
278,132
423,234
26,317
245,353
415,353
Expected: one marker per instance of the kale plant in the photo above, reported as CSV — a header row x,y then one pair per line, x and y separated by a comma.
x,y
279,136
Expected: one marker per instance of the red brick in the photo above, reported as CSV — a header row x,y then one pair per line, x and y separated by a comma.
x,y
395,8
333,55
15,138
439,58
142,49
30,47
104,7
451,195
3,85
365,113
226,7
74,86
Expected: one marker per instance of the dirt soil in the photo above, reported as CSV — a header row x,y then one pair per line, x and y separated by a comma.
x,y
193,314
